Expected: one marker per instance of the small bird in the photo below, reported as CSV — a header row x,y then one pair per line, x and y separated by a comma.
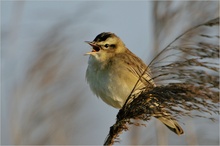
x,y
114,73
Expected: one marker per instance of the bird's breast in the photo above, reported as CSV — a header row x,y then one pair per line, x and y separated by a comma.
x,y
112,85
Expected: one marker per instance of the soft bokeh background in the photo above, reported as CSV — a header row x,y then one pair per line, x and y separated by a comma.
x,y
45,98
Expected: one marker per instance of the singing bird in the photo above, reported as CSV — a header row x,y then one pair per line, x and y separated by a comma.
x,y
114,72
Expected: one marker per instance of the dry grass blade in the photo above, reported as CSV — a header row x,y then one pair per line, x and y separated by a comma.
x,y
187,76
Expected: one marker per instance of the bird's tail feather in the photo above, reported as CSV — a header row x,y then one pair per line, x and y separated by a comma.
x,y
172,125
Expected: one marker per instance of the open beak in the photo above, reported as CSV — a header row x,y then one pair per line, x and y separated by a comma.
x,y
95,47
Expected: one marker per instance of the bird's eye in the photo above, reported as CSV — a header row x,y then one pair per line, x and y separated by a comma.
x,y
106,45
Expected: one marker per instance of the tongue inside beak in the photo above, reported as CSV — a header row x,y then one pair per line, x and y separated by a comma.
x,y
95,48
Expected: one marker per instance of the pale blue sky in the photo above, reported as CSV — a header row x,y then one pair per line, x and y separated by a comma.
x,y
129,20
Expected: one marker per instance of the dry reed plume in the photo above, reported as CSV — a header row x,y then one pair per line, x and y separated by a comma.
x,y
187,77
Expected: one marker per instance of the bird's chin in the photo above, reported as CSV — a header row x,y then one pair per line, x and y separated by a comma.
x,y
94,55
98,58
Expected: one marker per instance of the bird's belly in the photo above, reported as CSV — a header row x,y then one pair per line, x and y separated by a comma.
x,y
118,93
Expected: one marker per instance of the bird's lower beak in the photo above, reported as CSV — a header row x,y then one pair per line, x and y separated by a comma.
x,y
95,48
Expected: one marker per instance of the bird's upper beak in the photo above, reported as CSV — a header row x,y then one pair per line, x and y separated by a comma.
x,y
95,47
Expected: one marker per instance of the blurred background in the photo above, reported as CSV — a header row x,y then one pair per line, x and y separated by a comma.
x,y
45,98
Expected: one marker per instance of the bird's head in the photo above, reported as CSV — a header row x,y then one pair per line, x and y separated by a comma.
x,y
105,46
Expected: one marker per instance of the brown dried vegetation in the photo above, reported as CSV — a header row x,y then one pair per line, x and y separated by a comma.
x,y
189,82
